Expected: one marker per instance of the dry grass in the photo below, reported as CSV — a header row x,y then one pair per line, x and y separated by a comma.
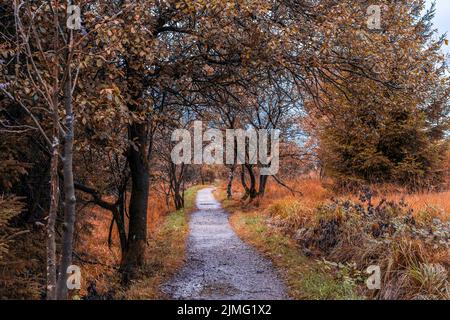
x,y
414,271
22,272
311,189
439,202
413,253
314,192
98,260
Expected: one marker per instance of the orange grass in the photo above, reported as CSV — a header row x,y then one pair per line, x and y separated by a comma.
x,y
422,201
313,193
310,191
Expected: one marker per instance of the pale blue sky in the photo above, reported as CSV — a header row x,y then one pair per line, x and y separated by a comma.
x,y
442,18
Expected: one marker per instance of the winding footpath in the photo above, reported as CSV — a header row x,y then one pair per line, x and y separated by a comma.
x,y
219,264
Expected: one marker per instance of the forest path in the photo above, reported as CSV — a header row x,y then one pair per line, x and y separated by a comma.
x,y
219,264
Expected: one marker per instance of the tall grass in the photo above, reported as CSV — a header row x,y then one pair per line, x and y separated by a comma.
x,y
312,192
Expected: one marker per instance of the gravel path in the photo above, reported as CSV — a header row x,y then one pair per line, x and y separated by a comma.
x,y
219,265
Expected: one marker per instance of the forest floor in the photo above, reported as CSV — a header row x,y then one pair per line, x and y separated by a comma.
x,y
219,264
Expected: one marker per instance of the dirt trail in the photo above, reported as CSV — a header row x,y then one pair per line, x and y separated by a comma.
x,y
220,265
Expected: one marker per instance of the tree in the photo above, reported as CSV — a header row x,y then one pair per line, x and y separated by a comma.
x,y
371,132
42,72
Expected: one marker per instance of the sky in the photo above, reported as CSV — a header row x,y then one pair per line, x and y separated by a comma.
x,y
442,18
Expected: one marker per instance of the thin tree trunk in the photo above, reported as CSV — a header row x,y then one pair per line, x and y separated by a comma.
x,y
176,183
69,188
202,179
177,199
252,188
120,217
54,182
244,184
183,189
230,183
262,185
118,221
51,239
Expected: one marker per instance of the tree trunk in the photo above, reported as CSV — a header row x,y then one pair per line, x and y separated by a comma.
x,y
120,218
202,179
244,184
262,185
183,189
252,188
178,199
137,229
69,189
230,183
54,182
51,239
118,221
176,185
250,191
